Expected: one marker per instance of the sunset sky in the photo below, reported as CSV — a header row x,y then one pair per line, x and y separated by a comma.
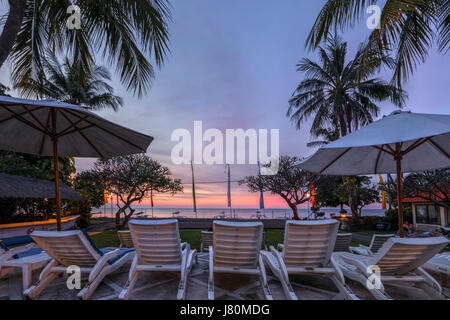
x,y
233,65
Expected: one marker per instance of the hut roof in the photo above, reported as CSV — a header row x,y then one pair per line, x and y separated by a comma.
x,y
23,187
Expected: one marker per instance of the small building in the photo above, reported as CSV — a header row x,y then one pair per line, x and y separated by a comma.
x,y
427,215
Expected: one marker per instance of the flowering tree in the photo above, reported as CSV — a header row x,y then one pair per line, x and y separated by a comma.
x,y
131,178
290,183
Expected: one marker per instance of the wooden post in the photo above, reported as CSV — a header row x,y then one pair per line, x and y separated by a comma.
x,y
56,170
58,196
398,160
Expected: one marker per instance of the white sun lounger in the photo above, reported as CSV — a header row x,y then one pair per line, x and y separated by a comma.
x,y
159,248
25,258
342,242
236,249
377,241
75,248
439,264
125,239
307,249
398,260
206,241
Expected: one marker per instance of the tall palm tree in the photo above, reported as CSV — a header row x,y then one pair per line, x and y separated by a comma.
x,y
409,27
67,82
327,135
332,95
128,33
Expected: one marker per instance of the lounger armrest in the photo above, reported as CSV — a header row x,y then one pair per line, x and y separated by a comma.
x,y
211,263
184,244
101,263
184,258
280,261
429,279
362,267
335,264
362,250
280,246
12,252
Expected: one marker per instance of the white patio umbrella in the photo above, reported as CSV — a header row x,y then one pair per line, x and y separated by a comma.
x,y
53,128
400,142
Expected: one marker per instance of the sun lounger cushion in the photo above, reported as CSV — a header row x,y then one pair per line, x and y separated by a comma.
x,y
17,240
3,246
28,253
92,242
122,252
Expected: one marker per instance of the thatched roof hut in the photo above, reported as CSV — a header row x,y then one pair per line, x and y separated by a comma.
x,y
23,187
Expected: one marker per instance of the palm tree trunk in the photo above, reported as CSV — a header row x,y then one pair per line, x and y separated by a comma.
x,y
11,28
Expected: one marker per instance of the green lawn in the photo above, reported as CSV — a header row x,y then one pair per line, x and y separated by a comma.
x,y
192,236
370,233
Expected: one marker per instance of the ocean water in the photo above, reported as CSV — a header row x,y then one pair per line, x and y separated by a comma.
x,y
146,211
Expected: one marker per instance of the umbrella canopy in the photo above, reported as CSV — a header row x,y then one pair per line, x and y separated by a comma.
x,y
400,142
30,125
22,187
53,128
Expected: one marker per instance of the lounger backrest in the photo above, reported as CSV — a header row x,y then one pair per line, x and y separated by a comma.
x,y
207,239
309,243
237,244
399,256
125,239
378,240
3,247
68,247
343,242
157,242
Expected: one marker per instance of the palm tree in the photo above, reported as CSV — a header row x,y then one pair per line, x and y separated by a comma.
x,y
67,82
328,135
409,27
332,95
127,33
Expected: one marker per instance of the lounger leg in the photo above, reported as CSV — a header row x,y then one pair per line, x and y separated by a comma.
x,y
131,282
181,295
344,290
285,284
33,292
432,292
89,289
263,279
4,271
377,293
211,275
430,286
27,273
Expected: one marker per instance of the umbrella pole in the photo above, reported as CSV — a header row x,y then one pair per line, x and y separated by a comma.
x,y
58,196
398,159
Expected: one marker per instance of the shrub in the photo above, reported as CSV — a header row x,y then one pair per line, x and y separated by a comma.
x,y
82,208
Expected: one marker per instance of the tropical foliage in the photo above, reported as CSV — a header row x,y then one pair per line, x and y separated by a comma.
x,y
292,184
129,34
408,27
331,94
432,186
130,179
363,194
33,167
67,82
